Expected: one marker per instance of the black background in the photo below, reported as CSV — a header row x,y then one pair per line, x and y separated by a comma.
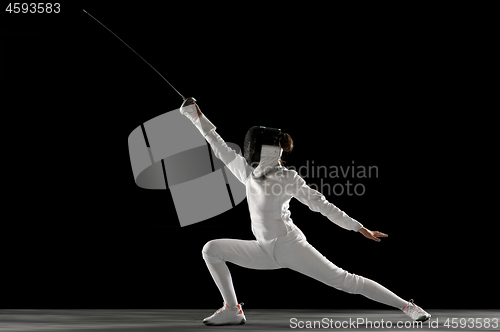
x,y
401,89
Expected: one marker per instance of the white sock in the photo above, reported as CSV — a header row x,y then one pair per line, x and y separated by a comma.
x,y
222,277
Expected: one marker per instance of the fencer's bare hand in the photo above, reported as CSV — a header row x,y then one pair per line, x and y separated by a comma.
x,y
372,235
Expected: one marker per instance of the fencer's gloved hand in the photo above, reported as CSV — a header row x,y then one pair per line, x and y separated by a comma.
x,y
193,113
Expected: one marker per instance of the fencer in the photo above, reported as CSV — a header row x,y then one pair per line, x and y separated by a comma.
x,y
279,242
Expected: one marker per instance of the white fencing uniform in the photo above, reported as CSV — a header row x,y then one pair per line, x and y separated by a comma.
x,y
279,242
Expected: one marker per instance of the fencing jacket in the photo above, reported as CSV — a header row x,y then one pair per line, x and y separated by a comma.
x,y
269,197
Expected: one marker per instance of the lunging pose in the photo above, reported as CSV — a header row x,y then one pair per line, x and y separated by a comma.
x,y
279,242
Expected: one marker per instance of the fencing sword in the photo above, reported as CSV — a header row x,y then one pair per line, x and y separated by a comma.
x,y
186,101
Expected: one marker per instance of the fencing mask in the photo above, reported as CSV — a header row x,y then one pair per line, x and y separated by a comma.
x,y
262,149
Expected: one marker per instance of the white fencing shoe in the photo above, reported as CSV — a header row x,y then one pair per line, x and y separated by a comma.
x,y
227,316
415,312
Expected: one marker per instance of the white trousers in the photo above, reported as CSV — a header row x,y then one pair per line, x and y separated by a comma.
x,y
290,251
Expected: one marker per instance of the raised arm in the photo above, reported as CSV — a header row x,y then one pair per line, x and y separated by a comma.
x,y
235,162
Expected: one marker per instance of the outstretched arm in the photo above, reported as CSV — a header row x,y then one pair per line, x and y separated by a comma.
x,y
317,202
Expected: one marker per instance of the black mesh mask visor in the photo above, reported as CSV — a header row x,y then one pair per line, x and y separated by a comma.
x,y
255,138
